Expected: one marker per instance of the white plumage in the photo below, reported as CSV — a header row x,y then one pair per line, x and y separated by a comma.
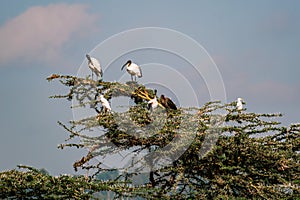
x,y
239,104
133,69
94,65
105,103
153,103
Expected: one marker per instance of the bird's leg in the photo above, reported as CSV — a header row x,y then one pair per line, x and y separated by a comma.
x,y
92,76
131,78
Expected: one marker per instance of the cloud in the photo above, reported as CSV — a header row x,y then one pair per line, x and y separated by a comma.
x,y
40,33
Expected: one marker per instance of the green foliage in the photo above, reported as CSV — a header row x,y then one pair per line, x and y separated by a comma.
x,y
34,184
239,165
252,156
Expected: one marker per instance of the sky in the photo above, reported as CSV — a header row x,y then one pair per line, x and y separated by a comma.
x,y
254,45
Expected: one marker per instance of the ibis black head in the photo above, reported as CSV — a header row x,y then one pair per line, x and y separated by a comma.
x,y
88,57
155,92
127,63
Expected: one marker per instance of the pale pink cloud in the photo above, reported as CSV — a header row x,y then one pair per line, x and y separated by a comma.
x,y
40,32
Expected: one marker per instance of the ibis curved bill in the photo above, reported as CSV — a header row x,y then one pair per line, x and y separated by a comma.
x,y
94,65
133,69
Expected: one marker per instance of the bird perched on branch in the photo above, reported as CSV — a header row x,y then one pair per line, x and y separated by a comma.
x,y
167,103
239,107
94,65
153,103
239,104
133,69
104,103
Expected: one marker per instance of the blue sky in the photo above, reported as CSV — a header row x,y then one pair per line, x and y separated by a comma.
x,y
255,45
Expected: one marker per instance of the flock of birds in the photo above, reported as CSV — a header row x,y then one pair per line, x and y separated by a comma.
x,y
135,71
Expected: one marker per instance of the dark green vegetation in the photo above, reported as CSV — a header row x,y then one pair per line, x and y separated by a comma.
x,y
236,164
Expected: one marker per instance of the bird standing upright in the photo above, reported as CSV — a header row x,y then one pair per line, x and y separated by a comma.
x,y
133,69
239,104
94,65
167,103
104,103
153,103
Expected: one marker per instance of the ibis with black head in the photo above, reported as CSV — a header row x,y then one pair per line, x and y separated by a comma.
x,y
104,103
133,69
153,103
94,65
239,104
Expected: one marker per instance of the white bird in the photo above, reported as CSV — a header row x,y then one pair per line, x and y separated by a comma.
x,y
94,65
153,103
239,104
105,103
133,69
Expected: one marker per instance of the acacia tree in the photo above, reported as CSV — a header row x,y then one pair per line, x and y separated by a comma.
x,y
237,165
210,152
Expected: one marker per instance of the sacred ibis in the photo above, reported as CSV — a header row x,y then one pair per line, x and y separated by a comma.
x,y
167,103
133,69
94,65
239,104
153,103
105,104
